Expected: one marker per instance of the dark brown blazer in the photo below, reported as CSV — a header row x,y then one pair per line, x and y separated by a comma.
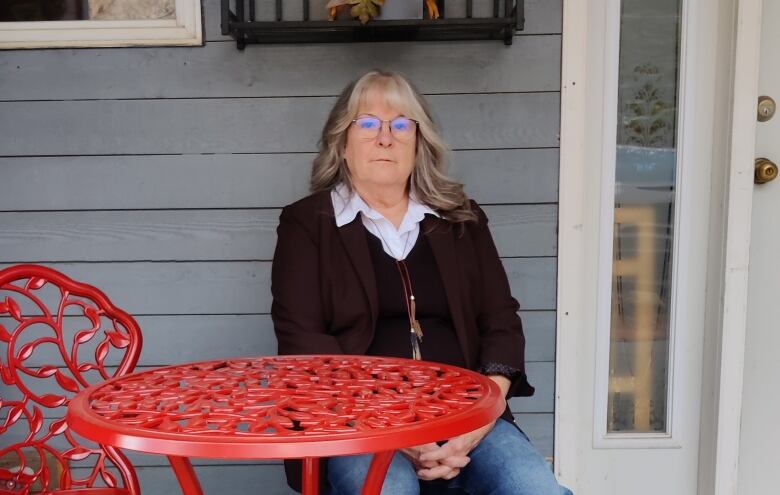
x,y
325,297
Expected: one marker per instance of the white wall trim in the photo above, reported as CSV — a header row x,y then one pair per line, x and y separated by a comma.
x,y
739,200
186,29
572,237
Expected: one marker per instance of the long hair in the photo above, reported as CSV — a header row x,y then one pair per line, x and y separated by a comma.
x,y
428,182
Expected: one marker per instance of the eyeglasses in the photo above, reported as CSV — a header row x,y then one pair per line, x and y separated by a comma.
x,y
402,128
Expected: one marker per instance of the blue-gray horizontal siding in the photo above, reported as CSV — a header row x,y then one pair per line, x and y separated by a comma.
x,y
224,336
243,287
198,234
252,125
184,73
157,174
514,176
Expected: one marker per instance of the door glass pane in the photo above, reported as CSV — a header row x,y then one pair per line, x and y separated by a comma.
x,y
644,216
77,10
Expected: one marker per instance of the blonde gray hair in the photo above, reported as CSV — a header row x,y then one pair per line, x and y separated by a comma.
x,y
428,182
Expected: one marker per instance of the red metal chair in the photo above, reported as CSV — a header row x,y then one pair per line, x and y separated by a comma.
x,y
57,336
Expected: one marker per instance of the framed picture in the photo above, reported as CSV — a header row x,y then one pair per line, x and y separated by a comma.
x,y
99,23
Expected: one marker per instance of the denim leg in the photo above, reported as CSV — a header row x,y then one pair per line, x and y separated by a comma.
x,y
346,475
505,463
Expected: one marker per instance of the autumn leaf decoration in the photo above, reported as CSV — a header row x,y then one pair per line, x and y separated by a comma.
x,y
362,9
366,9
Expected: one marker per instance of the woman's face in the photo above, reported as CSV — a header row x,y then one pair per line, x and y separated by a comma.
x,y
382,161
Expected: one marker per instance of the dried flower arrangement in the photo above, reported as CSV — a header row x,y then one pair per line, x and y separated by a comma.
x,y
366,10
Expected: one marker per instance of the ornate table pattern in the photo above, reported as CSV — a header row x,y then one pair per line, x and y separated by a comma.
x,y
286,407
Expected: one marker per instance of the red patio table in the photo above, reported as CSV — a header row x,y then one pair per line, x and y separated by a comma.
x,y
284,407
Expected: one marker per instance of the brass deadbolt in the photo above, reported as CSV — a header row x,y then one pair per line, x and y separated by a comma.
x,y
766,171
766,108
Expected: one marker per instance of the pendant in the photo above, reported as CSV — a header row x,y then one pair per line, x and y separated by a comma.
x,y
415,339
417,330
416,336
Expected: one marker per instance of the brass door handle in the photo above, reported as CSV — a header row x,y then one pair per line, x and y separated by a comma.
x,y
766,170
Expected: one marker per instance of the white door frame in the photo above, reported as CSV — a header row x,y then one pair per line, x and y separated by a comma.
x,y
722,150
720,475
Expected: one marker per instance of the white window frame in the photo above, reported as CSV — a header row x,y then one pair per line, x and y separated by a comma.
x,y
678,316
185,30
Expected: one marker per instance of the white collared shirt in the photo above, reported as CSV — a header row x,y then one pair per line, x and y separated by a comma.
x,y
395,242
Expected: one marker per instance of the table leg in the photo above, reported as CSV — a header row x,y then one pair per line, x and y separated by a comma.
x,y
188,480
311,476
377,472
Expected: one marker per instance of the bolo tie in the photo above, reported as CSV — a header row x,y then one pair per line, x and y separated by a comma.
x,y
415,331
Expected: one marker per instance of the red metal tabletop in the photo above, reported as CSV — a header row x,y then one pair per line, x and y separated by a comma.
x,y
285,407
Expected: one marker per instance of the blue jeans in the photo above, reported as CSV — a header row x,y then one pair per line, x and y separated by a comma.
x,y
504,463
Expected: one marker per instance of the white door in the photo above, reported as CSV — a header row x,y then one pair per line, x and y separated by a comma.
x,y
759,456
637,154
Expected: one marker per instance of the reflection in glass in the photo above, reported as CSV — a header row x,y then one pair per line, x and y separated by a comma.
x,y
75,10
644,216
42,10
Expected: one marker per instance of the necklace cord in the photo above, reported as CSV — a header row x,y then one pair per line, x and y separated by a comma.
x,y
415,330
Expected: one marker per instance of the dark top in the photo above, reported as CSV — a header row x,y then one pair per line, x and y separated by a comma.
x,y
391,337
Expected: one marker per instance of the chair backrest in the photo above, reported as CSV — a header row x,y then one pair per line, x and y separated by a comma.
x,y
57,336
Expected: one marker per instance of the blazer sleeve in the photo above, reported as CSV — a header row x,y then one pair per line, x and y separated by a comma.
x,y
297,310
502,343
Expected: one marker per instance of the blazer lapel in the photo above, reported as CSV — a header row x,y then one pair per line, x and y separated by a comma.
x,y
353,236
441,237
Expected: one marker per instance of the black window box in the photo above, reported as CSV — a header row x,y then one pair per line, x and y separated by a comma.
x,y
244,29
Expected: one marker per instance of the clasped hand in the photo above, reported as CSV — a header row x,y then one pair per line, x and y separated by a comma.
x,y
432,461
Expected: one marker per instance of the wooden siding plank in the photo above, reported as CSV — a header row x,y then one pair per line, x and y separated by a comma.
x,y
240,181
167,181
508,176
539,330
219,70
244,287
539,428
223,336
524,230
278,125
268,480
227,479
543,16
542,377
186,235
139,235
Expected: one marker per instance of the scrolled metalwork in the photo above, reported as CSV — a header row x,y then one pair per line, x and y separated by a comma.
x,y
286,396
47,364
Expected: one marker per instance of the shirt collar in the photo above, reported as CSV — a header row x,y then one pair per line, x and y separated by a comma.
x,y
347,204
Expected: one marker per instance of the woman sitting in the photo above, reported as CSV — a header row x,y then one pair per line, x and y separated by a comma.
x,y
389,257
